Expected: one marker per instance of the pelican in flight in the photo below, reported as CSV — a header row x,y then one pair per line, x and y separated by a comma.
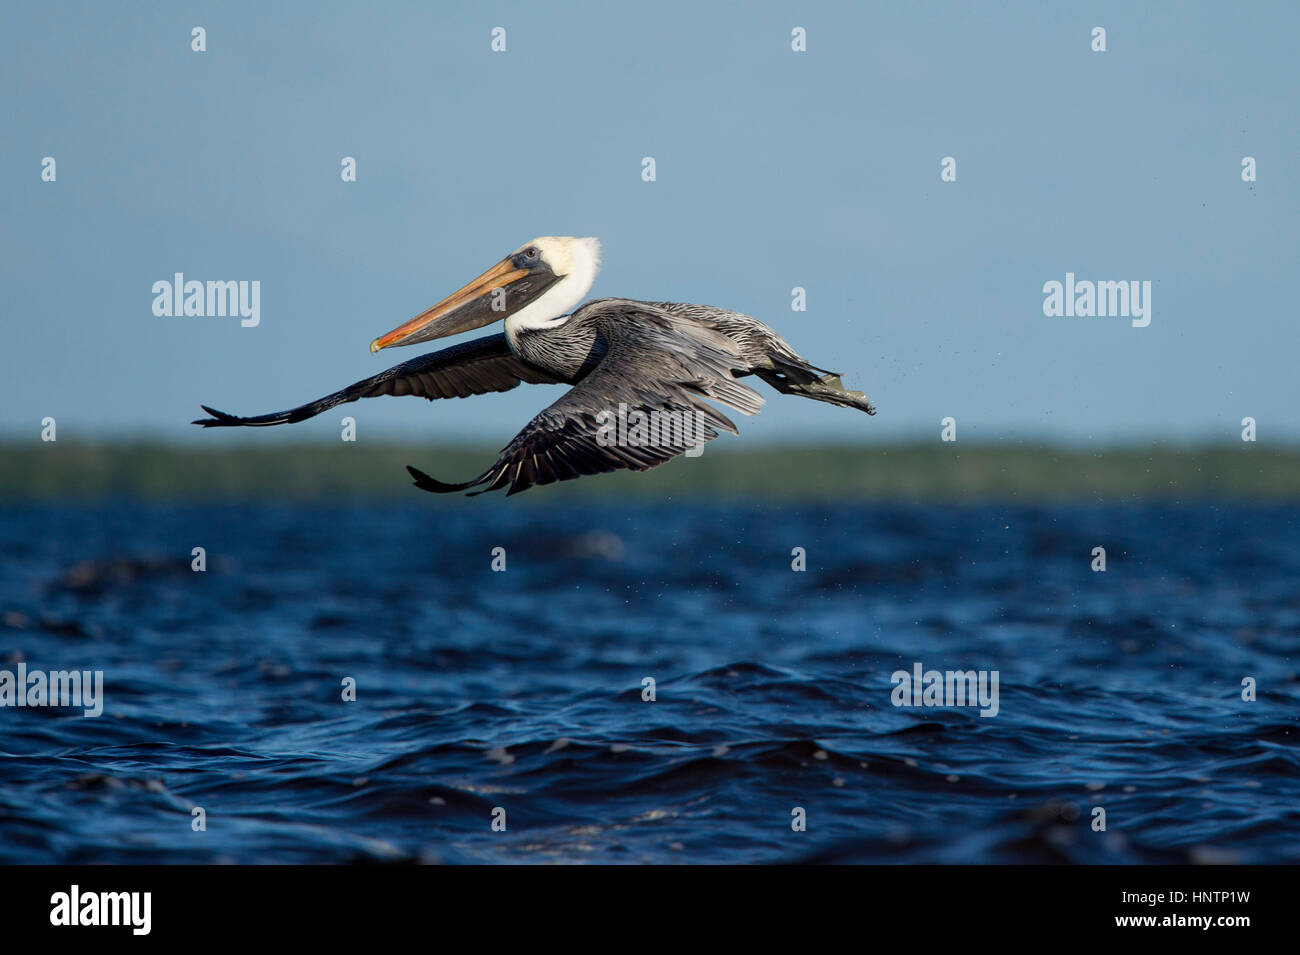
x,y
627,361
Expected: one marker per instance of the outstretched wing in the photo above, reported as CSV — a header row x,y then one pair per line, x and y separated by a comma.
x,y
472,368
656,372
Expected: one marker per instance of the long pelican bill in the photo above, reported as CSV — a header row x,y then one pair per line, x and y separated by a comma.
x,y
466,308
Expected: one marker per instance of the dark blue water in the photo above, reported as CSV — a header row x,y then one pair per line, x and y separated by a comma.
x,y
523,690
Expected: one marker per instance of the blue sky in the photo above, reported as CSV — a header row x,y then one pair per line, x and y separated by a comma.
x,y
775,169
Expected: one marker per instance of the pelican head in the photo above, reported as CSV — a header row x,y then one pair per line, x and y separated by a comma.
x,y
536,283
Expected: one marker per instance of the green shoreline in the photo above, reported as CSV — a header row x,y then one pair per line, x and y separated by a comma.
x,y
919,472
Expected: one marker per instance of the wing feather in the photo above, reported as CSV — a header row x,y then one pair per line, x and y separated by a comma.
x,y
472,368
661,365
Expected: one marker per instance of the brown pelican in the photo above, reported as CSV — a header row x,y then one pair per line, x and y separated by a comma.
x,y
629,362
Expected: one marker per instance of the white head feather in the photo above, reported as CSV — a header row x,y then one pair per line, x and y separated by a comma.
x,y
576,262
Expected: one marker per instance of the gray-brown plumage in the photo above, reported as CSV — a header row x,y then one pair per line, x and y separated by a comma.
x,y
471,368
658,364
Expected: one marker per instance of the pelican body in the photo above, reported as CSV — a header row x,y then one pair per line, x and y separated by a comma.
x,y
656,359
